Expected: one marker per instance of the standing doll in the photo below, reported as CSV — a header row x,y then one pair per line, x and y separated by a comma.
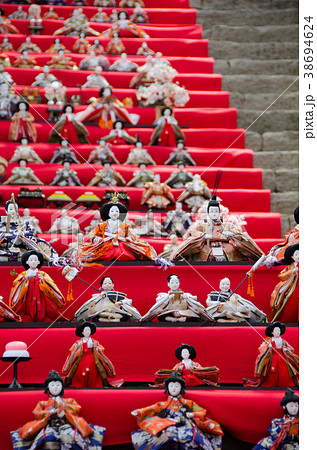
x,y
69,127
167,131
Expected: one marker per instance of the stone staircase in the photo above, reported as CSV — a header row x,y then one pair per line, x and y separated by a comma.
x,y
255,46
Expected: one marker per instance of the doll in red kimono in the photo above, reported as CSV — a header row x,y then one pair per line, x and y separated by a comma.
x,y
87,365
167,131
57,423
34,295
69,127
175,421
22,124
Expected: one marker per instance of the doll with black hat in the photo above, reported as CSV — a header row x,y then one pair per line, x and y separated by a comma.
x,y
167,131
22,124
69,127
277,364
285,296
25,151
86,364
180,154
190,371
34,295
57,423
113,239
63,153
284,432
176,421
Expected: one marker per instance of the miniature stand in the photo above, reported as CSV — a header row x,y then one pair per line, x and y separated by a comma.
x,y
15,384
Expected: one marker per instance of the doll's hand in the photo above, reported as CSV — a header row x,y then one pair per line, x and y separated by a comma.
x,y
61,414
190,415
96,239
134,413
227,233
53,411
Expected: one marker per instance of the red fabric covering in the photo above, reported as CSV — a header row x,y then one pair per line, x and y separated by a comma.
x,y
250,200
168,46
231,178
202,156
142,286
245,414
148,3
156,15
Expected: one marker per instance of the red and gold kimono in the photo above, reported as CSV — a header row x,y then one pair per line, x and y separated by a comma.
x,y
115,46
125,28
88,367
81,46
157,195
36,298
56,47
61,62
6,26
22,126
123,245
290,238
167,132
275,367
69,128
285,297
26,62
193,375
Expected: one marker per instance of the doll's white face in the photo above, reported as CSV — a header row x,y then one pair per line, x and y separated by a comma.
x,y
118,125
173,238
178,206
92,54
61,52
5,40
214,213
181,167
102,143
22,107
86,332
82,35
66,165
180,145
224,285
173,283
55,388
107,93
11,210
46,69
185,354
64,212
142,166
97,215
28,39
124,56
138,145
22,163
68,109
107,284
33,261
292,408
107,166
114,213
122,16
64,143
26,212
157,178
296,256
57,41
174,388
276,332
24,141
96,42
167,112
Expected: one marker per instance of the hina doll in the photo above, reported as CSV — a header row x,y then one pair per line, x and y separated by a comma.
x,y
139,15
107,177
65,224
51,14
34,295
5,77
148,226
168,248
55,93
69,127
66,176
94,222
176,422
102,153
180,154
25,61
81,45
284,432
142,77
97,47
179,179
92,61
138,154
76,24
56,47
100,16
6,26
276,254
87,365
108,306
113,239
276,365
22,124
34,15
32,220
217,241
144,50
124,27
64,153
115,46
45,78
189,370
95,80
157,194
4,60
57,423
141,177
285,296
105,3
106,110
123,64
196,193
6,46
177,221
6,313
62,62
19,14
114,16
29,46
224,306
131,3
8,101
176,305
118,135
167,131
26,152
23,175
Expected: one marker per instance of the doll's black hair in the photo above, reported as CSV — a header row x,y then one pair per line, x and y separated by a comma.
x,y
296,215
213,202
104,210
1,12
9,202
68,104
172,275
24,137
164,109
22,159
289,396
118,121
126,14
64,139
53,376
190,348
289,252
103,89
26,256
103,278
175,377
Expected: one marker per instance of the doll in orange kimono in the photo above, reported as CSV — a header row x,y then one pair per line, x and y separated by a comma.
x,y
6,26
125,28
34,295
57,423
113,238
156,194
87,365
22,124
175,423
285,296
276,365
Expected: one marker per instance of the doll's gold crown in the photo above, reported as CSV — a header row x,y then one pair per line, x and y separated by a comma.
x,y
115,198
